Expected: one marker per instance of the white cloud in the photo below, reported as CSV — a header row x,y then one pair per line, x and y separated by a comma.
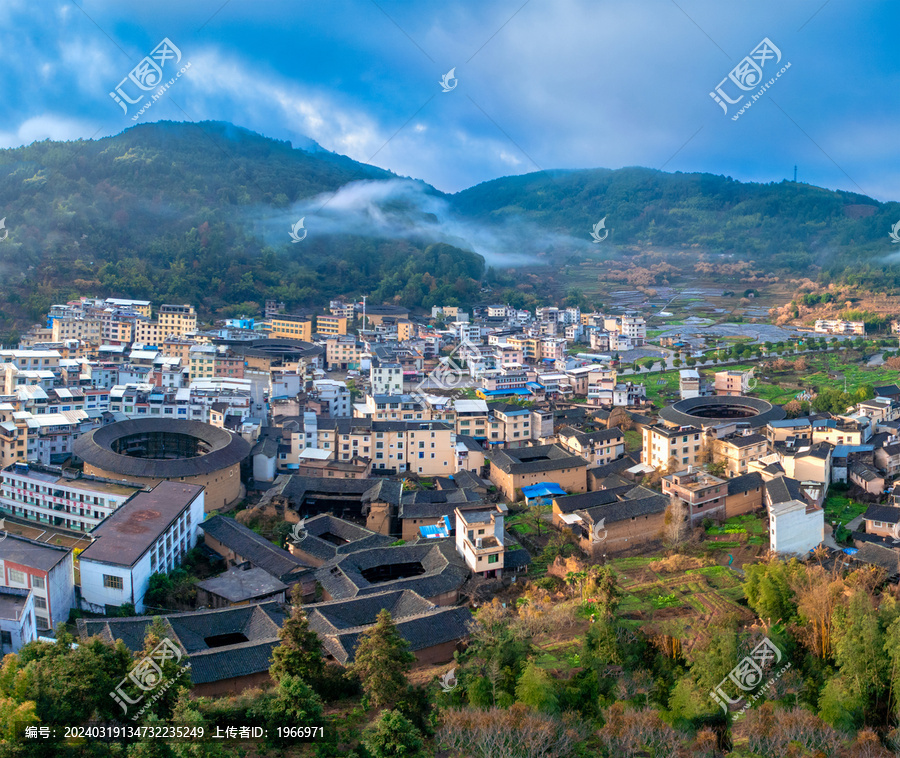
x,y
47,126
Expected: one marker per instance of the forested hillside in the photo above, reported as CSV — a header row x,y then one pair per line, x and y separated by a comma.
x,y
170,212
201,213
788,226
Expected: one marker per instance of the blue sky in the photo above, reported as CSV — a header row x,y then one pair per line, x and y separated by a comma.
x,y
540,85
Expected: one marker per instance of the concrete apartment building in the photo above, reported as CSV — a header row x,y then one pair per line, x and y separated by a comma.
x,y
286,326
45,495
17,624
689,383
427,448
45,570
732,383
737,451
177,319
480,537
703,493
150,534
331,326
342,353
680,445
386,379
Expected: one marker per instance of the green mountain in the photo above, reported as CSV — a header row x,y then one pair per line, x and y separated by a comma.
x,y
786,226
179,212
201,213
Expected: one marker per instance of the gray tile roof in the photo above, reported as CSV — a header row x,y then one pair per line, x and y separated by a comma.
x,y
745,483
254,548
341,623
239,584
444,570
592,438
321,533
627,509
535,459
259,623
572,503
782,489
886,513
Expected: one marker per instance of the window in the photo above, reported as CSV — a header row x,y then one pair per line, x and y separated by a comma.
x,y
37,582
113,582
493,558
6,639
16,577
39,602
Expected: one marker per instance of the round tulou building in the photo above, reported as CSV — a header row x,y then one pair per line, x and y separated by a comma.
x,y
152,450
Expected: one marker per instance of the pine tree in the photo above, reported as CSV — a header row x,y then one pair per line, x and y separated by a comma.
x,y
392,734
299,652
382,661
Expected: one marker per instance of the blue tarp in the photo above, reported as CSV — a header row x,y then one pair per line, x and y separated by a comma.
x,y
542,489
438,531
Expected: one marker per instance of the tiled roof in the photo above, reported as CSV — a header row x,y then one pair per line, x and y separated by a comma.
x,y
252,547
782,489
886,513
592,438
356,537
341,623
627,509
572,503
241,584
745,483
259,623
444,570
535,459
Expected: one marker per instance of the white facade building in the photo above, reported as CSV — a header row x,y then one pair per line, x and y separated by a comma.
x,y
17,625
795,527
44,495
46,570
116,567
387,379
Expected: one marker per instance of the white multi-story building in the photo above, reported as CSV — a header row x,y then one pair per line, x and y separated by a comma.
x,y
336,394
17,625
43,494
480,537
46,570
386,378
116,567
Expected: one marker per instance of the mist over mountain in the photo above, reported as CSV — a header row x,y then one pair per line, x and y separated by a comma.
x,y
180,212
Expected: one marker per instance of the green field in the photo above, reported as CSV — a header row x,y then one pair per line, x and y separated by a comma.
x,y
824,370
841,509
